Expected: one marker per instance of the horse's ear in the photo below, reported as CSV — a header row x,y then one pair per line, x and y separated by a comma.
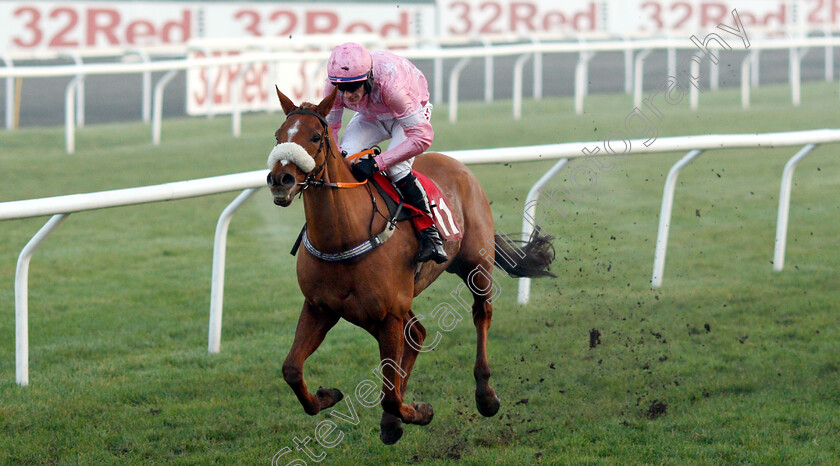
x,y
285,102
326,105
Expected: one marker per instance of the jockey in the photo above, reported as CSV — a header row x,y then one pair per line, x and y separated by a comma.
x,y
391,99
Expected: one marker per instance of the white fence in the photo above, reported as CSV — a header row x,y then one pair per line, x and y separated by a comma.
x,y
60,207
635,53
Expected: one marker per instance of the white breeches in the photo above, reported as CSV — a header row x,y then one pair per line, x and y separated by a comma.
x,y
362,134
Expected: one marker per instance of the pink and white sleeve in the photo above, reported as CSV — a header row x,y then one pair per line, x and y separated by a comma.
x,y
410,114
419,136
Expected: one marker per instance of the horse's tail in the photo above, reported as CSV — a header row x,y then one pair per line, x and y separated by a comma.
x,y
525,258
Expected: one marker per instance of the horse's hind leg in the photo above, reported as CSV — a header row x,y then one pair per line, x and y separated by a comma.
x,y
312,327
391,351
480,284
391,428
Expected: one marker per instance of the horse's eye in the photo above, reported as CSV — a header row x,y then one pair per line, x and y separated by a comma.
x,y
316,138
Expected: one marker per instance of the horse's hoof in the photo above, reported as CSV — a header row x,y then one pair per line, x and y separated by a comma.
x,y
487,408
424,411
328,396
390,429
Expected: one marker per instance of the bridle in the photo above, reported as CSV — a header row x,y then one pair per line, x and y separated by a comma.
x,y
325,143
310,180
315,178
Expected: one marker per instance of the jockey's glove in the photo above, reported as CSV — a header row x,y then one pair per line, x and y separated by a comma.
x,y
364,169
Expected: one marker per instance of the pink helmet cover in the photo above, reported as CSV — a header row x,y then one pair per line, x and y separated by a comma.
x,y
349,62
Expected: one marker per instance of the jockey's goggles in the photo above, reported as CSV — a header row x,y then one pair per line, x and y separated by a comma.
x,y
349,87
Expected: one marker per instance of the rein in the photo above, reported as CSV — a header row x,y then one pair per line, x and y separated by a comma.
x,y
366,246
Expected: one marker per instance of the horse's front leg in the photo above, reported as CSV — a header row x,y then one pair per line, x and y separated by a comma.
x,y
391,348
312,327
391,428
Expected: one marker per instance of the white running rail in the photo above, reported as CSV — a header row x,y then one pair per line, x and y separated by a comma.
x,y
58,208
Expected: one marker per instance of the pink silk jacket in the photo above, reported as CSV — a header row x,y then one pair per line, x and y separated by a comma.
x,y
400,92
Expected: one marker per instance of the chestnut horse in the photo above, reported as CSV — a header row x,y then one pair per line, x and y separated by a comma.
x,y
375,290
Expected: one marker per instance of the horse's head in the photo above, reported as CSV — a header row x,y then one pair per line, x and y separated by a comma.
x,y
303,144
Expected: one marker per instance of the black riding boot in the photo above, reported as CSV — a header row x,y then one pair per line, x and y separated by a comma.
x,y
431,245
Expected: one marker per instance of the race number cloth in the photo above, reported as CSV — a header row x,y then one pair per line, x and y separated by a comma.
x,y
442,215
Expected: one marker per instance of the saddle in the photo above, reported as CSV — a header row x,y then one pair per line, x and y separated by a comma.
x,y
441,214
398,211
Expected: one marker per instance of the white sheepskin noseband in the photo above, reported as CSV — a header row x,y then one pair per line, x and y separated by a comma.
x,y
291,152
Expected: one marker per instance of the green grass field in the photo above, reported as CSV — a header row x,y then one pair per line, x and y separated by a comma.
x,y
729,362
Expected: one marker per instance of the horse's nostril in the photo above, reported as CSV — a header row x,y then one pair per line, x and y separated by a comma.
x,y
270,179
287,180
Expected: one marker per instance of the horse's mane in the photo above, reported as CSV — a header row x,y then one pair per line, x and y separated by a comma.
x,y
309,106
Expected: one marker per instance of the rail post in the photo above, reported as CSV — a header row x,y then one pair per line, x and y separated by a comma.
x,y
784,207
517,85
10,92
529,211
745,80
454,75
665,217
22,298
236,116
69,110
217,280
80,88
638,76
158,106
581,79
489,70
146,108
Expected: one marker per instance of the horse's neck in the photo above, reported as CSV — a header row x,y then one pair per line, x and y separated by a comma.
x,y
337,218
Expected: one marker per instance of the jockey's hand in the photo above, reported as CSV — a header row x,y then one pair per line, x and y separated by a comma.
x,y
364,169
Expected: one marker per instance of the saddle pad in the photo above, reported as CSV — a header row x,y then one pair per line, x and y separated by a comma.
x,y
442,215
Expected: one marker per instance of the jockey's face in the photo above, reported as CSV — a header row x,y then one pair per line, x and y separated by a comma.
x,y
352,93
353,98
